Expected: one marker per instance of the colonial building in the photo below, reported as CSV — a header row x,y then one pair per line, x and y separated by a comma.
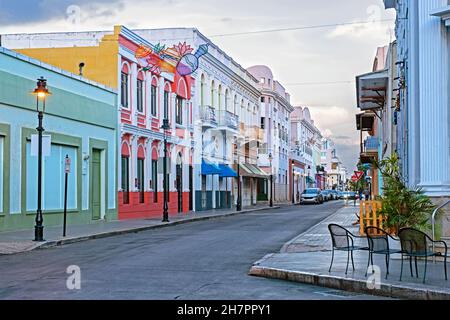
x,y
307,141
227,123
150,90
422,109
80,122
274,120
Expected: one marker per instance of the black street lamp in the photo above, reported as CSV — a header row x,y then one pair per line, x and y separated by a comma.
x,y
41,92
165,128
271,180
293,178
239,196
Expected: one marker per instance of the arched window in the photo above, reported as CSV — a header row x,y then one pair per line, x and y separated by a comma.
x,y
212,93
125,85
235,105
202,90
140,92
153,96
219,102
227,99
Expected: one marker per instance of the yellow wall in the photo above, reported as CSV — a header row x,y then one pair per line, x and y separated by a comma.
x,y
100,62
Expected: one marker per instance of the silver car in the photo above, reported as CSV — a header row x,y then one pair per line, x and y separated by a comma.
x,y
312,195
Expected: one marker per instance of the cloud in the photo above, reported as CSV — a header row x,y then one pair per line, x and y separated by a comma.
x,y
38,11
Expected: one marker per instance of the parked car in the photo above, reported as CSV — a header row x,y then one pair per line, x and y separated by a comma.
x,y
327,195
312,195
349,195
335,194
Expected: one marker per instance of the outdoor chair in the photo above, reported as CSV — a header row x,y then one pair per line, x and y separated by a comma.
x,y
343,240
416,244
378,241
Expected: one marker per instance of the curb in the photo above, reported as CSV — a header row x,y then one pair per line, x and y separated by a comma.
x,y
348,284
60,242
287,244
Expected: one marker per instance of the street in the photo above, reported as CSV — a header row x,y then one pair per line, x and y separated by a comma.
x,y
200,260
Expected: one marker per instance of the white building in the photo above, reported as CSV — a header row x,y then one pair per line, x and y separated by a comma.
x,y
274,120
423,58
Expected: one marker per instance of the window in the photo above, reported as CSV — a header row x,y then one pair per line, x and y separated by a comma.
x,y
262,80
179,111
263,99
166,105
140,173
126,179
1,173
263,122
153,100
53,178
140,95
155,180
124,89
268,82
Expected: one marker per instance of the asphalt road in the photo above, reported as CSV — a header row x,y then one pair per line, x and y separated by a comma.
x,y
200,260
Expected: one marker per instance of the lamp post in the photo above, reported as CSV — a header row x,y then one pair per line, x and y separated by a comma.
x,y
41,92
293,178
239,198
165,128
271,180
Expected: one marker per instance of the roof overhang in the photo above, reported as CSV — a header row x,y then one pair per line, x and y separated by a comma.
x,y
390,4
371,90
365,121
444,14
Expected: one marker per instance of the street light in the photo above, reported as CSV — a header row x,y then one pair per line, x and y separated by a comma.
x,y
239,197
271,180
165,128
293,178
41,92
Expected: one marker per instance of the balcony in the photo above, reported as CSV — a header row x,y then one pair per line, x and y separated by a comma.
x,y
208,117
369,149
228,120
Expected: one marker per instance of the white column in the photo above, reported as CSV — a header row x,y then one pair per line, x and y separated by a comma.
x,y
433,100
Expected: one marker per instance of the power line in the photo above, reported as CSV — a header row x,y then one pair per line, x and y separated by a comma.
x,y
318,83
300,28
242,33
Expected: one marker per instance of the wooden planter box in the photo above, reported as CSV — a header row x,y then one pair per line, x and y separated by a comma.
x,y
369,216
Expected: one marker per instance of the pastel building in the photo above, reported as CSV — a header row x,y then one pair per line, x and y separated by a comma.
x,y
226,110
306,142
81,122
274,121
150,89
422,110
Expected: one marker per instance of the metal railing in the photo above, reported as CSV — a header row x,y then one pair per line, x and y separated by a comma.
x,y
208,114
433,222
228,119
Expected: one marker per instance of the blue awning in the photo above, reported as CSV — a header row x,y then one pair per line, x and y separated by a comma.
x,y
226,171
209,168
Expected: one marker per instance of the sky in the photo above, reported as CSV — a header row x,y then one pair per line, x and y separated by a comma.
x,y
317,65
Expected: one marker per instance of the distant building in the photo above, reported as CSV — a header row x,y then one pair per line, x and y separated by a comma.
x,y
274,120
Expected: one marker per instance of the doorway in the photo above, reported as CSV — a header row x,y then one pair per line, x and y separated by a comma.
x,y
179,182
96,180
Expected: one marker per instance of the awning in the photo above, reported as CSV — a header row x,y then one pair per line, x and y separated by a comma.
x,y
365,121
250,170
371,90
310,180
226,171
209,168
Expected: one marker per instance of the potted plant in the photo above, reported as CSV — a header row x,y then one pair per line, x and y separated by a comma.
x,y
402,207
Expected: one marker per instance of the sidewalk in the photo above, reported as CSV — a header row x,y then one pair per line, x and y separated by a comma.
x,y
21,241
306,259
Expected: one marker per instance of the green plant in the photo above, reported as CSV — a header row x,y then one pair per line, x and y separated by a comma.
x,y
401,206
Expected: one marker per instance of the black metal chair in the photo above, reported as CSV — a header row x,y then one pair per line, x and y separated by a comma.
x,y
378,241
416,244
343,240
